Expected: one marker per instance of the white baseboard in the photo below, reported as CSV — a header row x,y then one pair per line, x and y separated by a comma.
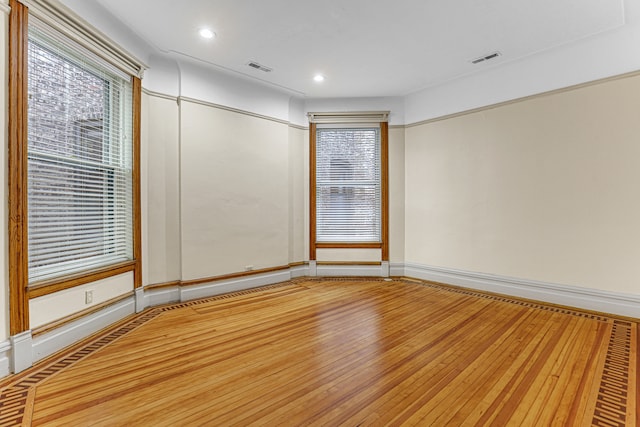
x,y
299,271
350,270
572,296
5,358
162,296
205,290
21,351
51,342
396,269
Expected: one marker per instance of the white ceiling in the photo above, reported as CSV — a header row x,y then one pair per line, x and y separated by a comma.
x,y
364,47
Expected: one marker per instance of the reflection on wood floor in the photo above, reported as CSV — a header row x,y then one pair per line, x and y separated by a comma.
x,y
341,352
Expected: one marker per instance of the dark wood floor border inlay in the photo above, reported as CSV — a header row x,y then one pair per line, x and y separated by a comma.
x,y
613,395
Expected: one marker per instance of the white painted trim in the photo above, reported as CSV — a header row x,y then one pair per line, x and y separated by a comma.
x,y
396,269
350,270
162,296
57,339
349,117
5,358
572,296
313,268
21,353
140,300
299,271
192,292
385,268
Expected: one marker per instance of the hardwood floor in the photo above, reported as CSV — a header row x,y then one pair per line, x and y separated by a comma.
x,y
341,352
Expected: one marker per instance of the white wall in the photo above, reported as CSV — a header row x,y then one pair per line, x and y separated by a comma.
x,y
543,189
221,88
97,16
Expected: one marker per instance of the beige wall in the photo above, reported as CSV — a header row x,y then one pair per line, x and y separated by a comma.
x,y
542,189
234,191
396,194
161,178
298,181
48,308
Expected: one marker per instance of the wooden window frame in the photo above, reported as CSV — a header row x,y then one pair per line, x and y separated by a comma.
x,y
19,290
383,245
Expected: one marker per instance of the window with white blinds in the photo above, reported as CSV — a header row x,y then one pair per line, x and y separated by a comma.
x,y
79,167
348,184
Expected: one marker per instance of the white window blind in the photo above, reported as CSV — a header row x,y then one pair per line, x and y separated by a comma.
x,y
348,185
80,209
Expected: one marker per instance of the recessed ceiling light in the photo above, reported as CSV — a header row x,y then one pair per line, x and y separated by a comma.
x,y
318,78
206,33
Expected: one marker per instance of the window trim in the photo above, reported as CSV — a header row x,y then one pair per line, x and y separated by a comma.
x,y
19,291
379,117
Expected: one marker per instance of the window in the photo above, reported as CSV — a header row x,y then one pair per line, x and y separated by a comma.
x,y
348,185
74,156
348,176
79,159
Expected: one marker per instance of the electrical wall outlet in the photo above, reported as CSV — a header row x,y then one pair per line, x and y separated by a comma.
x,y
88,297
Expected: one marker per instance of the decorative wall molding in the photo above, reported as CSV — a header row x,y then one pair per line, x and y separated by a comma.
x,y
572,296
231,109
159,95
292,125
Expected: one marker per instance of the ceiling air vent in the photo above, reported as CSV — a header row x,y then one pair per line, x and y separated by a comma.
x,y
486,58
257,66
